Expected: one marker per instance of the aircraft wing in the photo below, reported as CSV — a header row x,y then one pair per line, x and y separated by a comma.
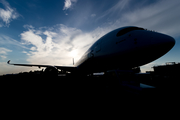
x,y
67,68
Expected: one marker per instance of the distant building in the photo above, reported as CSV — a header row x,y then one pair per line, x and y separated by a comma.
x,y
171,68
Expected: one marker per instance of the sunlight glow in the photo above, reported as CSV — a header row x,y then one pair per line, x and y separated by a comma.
x,y
73,53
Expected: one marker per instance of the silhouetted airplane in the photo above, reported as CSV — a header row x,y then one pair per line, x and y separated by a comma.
x,y
123,48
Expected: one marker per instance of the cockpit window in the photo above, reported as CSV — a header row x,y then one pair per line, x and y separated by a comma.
x,y
126,30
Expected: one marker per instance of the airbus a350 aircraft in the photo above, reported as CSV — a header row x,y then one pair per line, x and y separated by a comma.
x,y
123,48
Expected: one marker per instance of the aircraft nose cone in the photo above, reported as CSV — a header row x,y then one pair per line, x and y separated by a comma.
x,y
172,41
162,41
160,45
168,40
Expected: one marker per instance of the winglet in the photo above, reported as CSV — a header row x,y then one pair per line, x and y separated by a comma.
x,y
8,62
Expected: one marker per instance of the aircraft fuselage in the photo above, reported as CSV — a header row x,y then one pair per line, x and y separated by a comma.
x,y
125,48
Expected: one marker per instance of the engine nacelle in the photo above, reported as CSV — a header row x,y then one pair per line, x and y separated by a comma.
x,y
51,71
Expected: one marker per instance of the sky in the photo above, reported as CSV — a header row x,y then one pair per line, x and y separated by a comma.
x,y
54,32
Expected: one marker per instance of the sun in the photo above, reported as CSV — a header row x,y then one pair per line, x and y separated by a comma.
x,y
73,53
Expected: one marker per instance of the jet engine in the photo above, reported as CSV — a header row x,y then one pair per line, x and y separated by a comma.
x,y
51,71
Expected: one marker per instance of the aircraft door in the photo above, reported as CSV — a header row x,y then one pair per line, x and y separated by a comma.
x,y
95,51
91,54
97,47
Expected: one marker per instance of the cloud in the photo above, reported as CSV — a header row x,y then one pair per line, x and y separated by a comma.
x,y
9,42
116,10
8,14
162,16
3,57
93,15
4,52
57,45
68,4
